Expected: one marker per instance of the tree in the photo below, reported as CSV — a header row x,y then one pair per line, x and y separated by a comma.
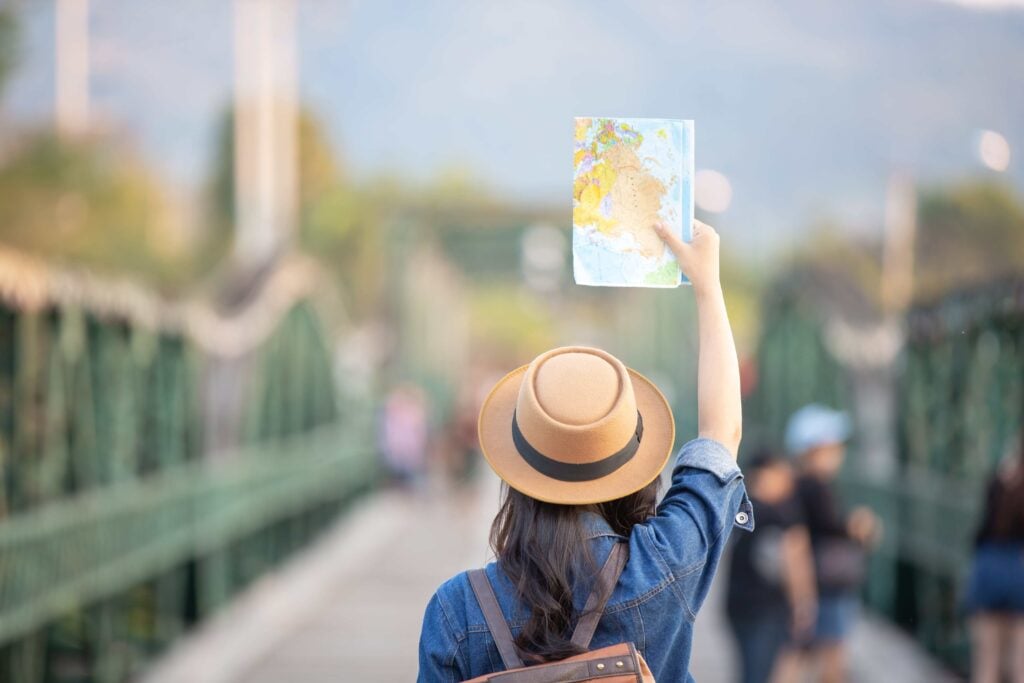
x,y
318,171
337,222
86,201
8,44
967,234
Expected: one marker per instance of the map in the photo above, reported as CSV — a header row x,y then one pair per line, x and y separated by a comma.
x,y
630,173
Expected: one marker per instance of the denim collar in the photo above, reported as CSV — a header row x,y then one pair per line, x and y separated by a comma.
x,y
595,526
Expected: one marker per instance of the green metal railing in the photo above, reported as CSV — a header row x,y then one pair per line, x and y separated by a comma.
x,y
155,457
961,396
958,390
794,364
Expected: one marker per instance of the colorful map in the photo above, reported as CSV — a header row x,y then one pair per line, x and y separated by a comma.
x,y
630,173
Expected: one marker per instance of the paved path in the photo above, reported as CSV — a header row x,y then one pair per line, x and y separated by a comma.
x,y
349,609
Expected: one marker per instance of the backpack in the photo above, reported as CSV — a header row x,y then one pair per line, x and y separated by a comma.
x,y
613,664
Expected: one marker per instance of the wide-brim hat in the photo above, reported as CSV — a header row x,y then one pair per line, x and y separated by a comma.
x,y
576,426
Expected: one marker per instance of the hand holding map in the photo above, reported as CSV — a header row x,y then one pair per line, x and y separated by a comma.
x,y
698,258
629,175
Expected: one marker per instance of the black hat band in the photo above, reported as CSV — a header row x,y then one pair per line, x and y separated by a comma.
x,y
567,471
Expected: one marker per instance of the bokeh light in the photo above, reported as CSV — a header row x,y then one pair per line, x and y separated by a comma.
x,y
714,191
994,150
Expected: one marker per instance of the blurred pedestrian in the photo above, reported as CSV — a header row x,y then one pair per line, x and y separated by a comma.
x,y
404,434
995,589
816,437
770,596
462,448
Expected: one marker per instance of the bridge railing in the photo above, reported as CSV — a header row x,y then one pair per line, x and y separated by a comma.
x,y
961,399
155,457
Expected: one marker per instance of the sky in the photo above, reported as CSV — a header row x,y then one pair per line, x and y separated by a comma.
x,y
806,106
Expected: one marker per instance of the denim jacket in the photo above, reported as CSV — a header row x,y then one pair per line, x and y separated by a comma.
x,y
672,559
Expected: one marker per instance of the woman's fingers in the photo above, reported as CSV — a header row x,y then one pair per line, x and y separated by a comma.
x,y
701,226
669,238
698,258
703,231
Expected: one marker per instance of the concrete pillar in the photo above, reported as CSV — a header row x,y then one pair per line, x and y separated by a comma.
x,y
71,44
266,164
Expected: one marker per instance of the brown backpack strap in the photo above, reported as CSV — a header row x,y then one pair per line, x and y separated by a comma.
x,y
495,619
600,594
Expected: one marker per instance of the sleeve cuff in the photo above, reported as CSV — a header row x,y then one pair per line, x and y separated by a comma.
x,y
710,455
744,518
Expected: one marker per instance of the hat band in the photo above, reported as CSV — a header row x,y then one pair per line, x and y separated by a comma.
x,y
569,471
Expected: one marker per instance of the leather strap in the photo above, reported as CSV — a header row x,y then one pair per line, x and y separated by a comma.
x,y
604,586
599,595
495,619
568,471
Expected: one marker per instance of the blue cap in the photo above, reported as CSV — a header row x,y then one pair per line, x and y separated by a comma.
x,y
815,425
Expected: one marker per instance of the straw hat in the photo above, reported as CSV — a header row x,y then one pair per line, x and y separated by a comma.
x,y
576,426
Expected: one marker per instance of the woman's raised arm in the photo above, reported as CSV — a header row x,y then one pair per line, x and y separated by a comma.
x,y
719,409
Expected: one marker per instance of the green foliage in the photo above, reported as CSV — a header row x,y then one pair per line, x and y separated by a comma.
x,y
318,170
88,202
343,228
743,286
968,234
509,322
338,223
457,185
853,260
220,200
8,43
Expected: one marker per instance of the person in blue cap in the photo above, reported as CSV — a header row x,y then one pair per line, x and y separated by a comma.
x,y
816,438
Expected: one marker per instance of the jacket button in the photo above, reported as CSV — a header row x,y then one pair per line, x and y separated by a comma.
x,y
742,517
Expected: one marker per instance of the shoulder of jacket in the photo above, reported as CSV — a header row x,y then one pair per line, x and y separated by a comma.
x,y
455,598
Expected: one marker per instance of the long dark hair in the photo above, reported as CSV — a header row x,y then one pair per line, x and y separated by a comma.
x,y
542,548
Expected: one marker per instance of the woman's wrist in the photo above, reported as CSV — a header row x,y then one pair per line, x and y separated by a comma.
x,y
707,290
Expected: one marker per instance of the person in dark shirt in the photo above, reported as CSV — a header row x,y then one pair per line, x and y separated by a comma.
x,y
815,438
770,594
995,588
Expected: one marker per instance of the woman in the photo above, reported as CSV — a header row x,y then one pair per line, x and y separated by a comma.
x,y
995,595
554,431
